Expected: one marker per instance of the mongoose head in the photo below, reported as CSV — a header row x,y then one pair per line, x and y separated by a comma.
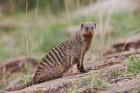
x,y
88,28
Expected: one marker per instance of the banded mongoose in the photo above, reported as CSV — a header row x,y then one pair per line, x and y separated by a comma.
x,y
63,56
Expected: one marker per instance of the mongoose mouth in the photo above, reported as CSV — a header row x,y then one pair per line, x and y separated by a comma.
x,y
88,34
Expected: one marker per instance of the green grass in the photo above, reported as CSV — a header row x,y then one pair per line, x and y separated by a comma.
x,y
53,36
5,53
133,65
124,24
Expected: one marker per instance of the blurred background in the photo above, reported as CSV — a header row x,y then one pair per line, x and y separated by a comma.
x,y
29,28
32,27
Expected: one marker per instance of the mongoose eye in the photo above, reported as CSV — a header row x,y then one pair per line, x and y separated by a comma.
x,y
86,28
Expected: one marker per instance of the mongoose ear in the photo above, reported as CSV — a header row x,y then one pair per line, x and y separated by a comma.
x,y
95,25
82,25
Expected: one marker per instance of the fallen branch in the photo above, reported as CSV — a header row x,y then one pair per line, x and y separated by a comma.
x,y
132,43
122,54
54,86
116,58
15,65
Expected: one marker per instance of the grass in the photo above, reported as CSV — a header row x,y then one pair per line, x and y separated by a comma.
x,y
92,81
117,73
38,39
125,23
54,36
133,65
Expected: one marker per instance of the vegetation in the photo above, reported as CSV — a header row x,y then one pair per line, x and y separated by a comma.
x,y
41,37
133,64
93,81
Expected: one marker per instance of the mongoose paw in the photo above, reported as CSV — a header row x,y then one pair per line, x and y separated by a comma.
x,y
85,71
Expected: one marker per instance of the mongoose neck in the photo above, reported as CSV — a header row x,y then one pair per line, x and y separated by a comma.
x,y
87,40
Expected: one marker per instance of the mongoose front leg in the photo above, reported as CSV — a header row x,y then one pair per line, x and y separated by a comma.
x,y
80,67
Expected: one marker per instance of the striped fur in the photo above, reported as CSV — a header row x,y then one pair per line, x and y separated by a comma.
x,y
60,58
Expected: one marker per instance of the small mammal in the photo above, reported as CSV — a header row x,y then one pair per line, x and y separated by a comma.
x,y
59,59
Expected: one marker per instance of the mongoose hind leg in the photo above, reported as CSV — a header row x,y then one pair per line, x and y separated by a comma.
x,y
46,74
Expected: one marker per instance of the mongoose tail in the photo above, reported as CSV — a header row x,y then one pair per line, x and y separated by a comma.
x,y
19,87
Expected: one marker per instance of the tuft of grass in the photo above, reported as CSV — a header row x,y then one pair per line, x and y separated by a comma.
x,y
26,78
117,73
92,81
133,64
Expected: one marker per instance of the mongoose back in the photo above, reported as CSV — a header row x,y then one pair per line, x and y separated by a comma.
x,y
62,57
